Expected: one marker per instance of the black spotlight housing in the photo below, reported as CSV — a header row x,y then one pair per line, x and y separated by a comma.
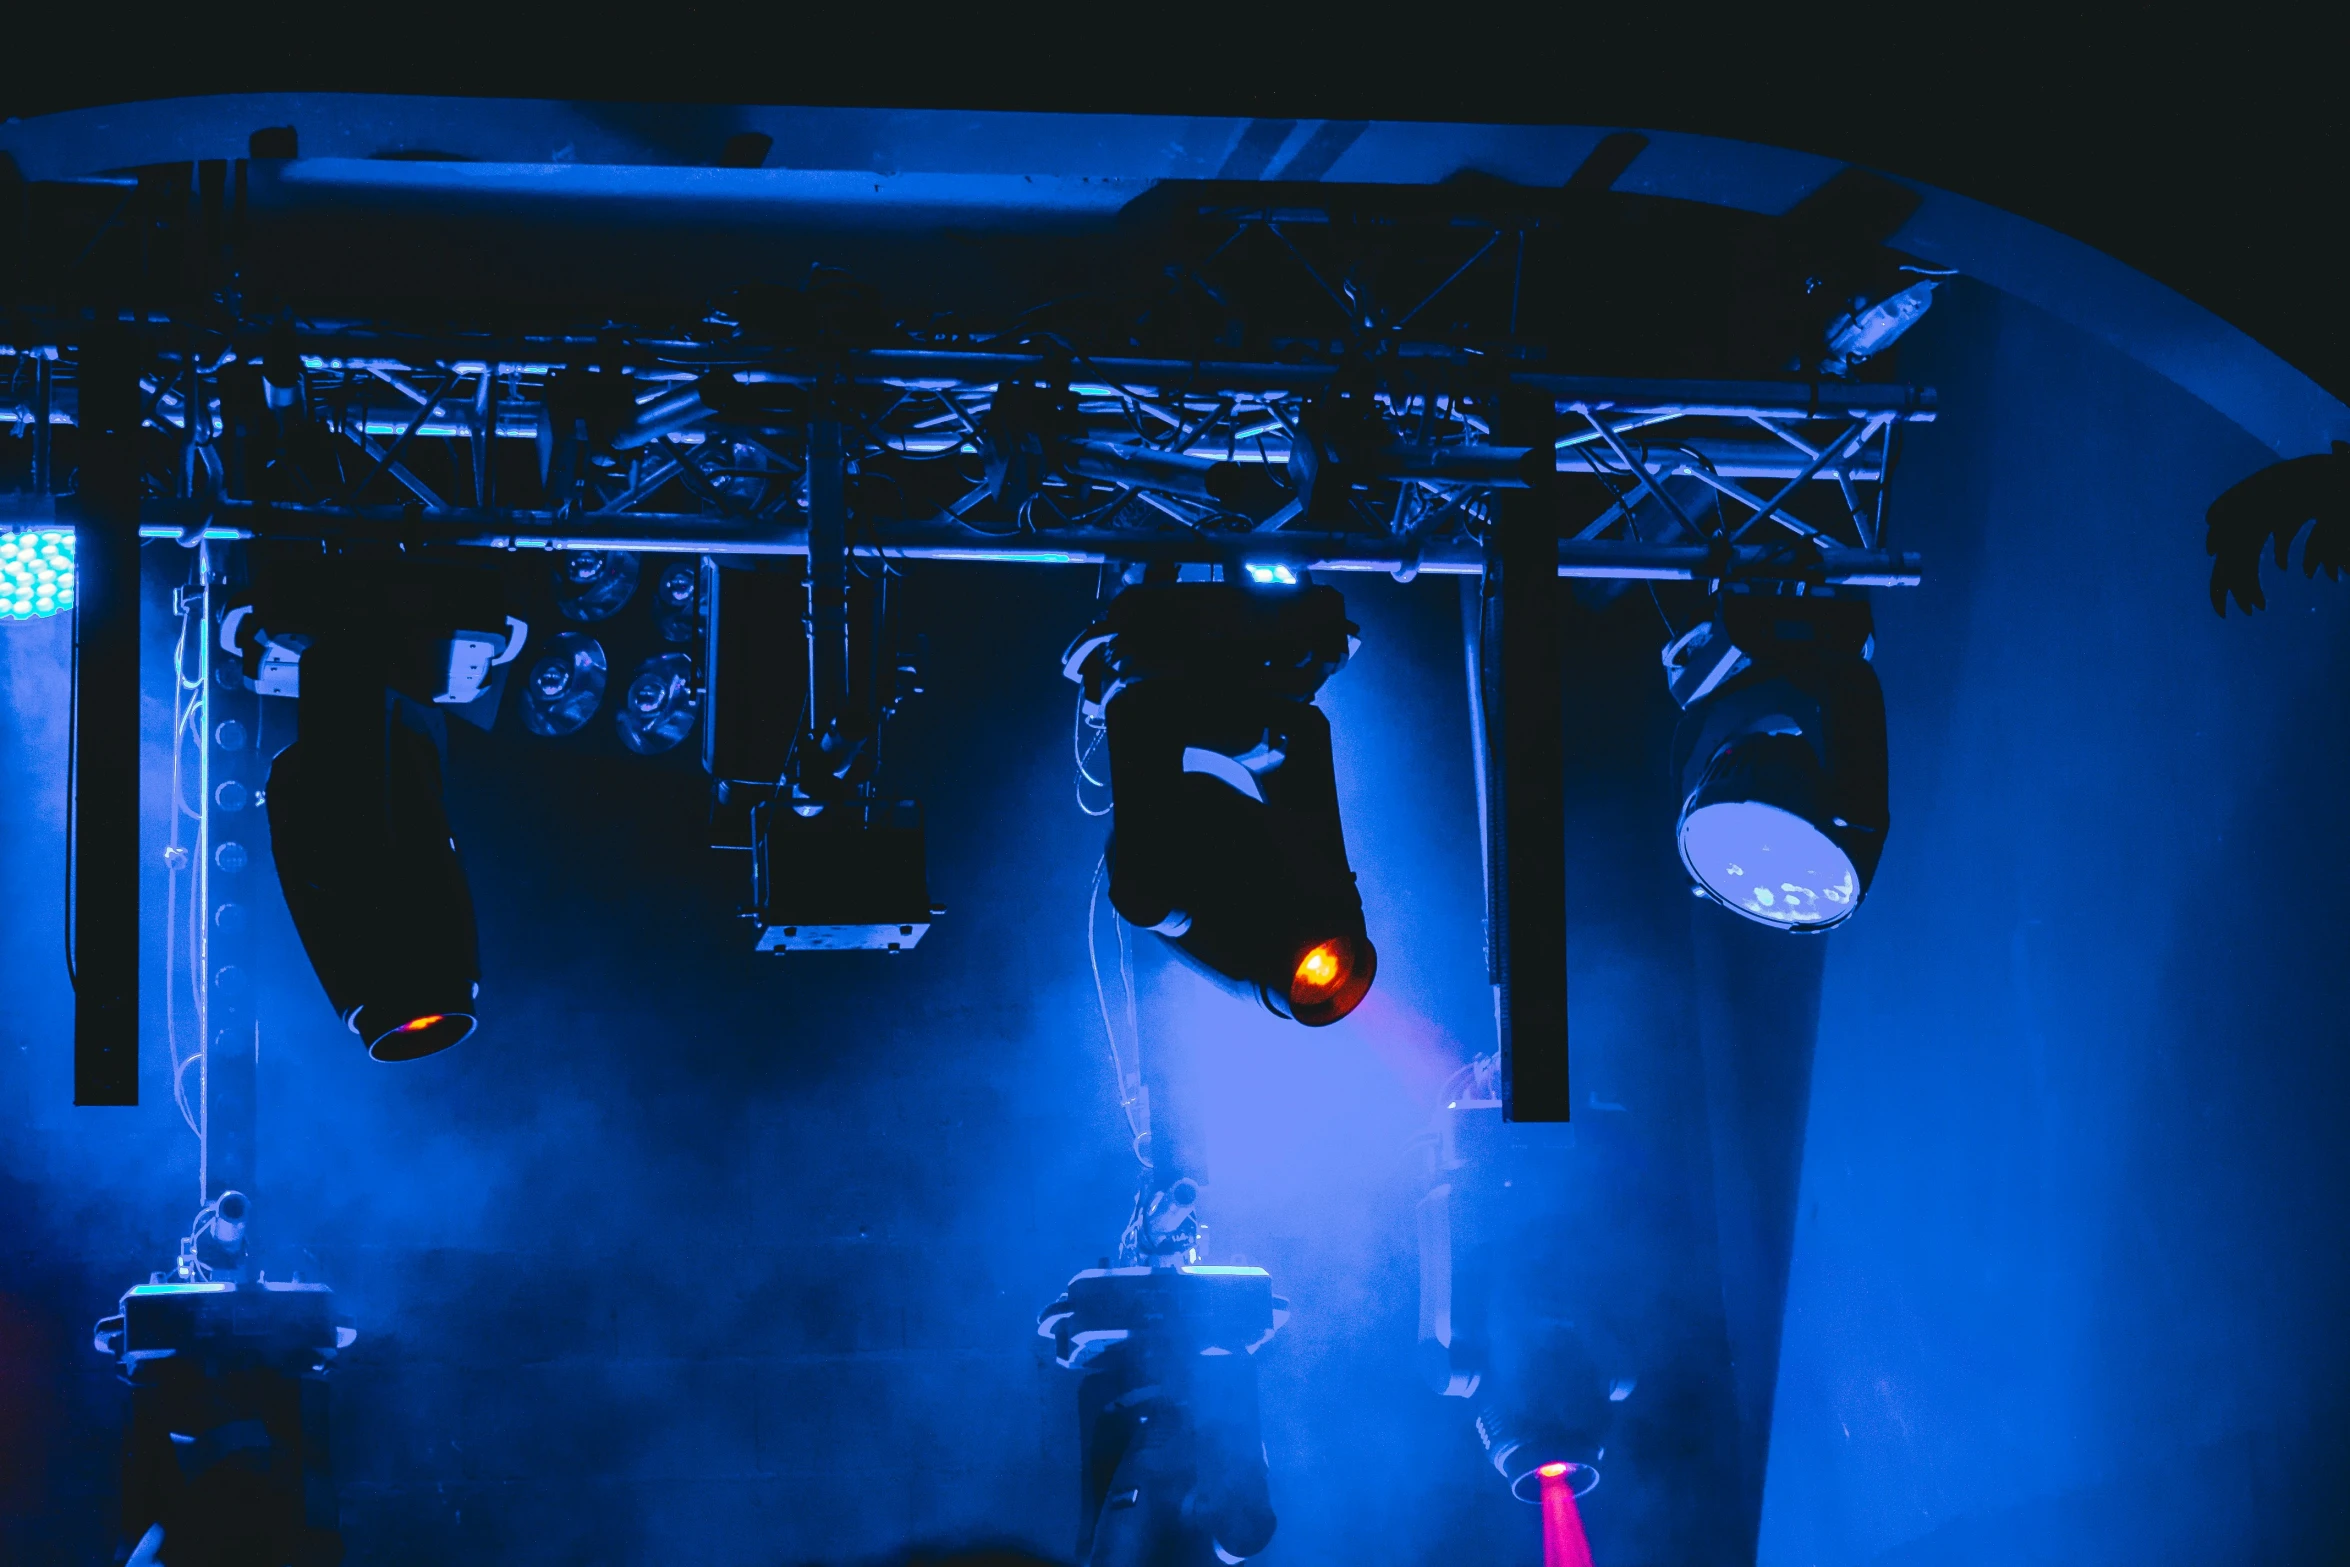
x,y
1167,1417
1332,457
1227,840
1782,761
364,851
1027,435
368,865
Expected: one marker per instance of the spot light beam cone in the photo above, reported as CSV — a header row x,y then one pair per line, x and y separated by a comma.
x,y
1563,1543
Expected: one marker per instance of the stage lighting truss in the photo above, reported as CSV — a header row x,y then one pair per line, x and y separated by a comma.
x,y
1797,473
1276,378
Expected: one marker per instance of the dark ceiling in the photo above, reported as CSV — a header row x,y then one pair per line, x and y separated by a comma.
x,y
2212,160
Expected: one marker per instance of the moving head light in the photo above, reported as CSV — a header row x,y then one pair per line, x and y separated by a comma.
x,y
1781,757
1227,840
1168,1421
376,654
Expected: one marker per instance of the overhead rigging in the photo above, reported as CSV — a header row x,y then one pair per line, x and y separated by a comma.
x,y
1221,392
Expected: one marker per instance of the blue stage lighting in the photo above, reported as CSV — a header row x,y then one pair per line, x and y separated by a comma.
x,y
36,574
1770,865
660,705
1272,576
1228,841
1784,807
565,686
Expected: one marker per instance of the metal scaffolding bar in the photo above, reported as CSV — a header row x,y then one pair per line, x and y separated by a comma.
x,y
1525,721
231,862
698,535
104,512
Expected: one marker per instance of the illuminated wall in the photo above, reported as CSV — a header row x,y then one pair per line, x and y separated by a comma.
x,y
2069,1271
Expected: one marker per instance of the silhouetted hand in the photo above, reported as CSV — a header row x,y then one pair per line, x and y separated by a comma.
x,y
2271,506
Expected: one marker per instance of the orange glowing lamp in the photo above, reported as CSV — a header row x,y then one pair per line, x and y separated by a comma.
x,y
425,1034
1330,977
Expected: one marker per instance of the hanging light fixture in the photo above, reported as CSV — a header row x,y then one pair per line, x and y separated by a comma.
x,y
659,706
594,584
1227,840
376,653
367,860
1782,760
565,685
677,600
36,573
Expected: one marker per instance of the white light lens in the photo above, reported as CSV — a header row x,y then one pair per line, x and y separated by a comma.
x,y
1769,865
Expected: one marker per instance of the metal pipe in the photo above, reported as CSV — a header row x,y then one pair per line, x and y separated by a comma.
x,y
947,369
1843,446
663,416
1642,478
105,512
656,533
44,371
827,548
1480,749
1497,467
1526,789
1177,472
233,770
1492,466
1731,458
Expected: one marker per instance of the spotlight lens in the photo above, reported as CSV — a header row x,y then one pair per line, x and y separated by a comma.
x,y
1330,978
425,1035
1770,865
1551,1471
565,687
1319,969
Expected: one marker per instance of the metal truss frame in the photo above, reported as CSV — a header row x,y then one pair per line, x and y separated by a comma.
x,y
1801,469
1263,380
1413,307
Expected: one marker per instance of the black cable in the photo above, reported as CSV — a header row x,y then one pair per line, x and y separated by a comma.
x,y
1607,482
73,713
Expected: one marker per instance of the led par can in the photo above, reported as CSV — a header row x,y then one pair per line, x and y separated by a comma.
x,y
1785,805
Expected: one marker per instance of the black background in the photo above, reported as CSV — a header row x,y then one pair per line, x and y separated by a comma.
x,y
2208,153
